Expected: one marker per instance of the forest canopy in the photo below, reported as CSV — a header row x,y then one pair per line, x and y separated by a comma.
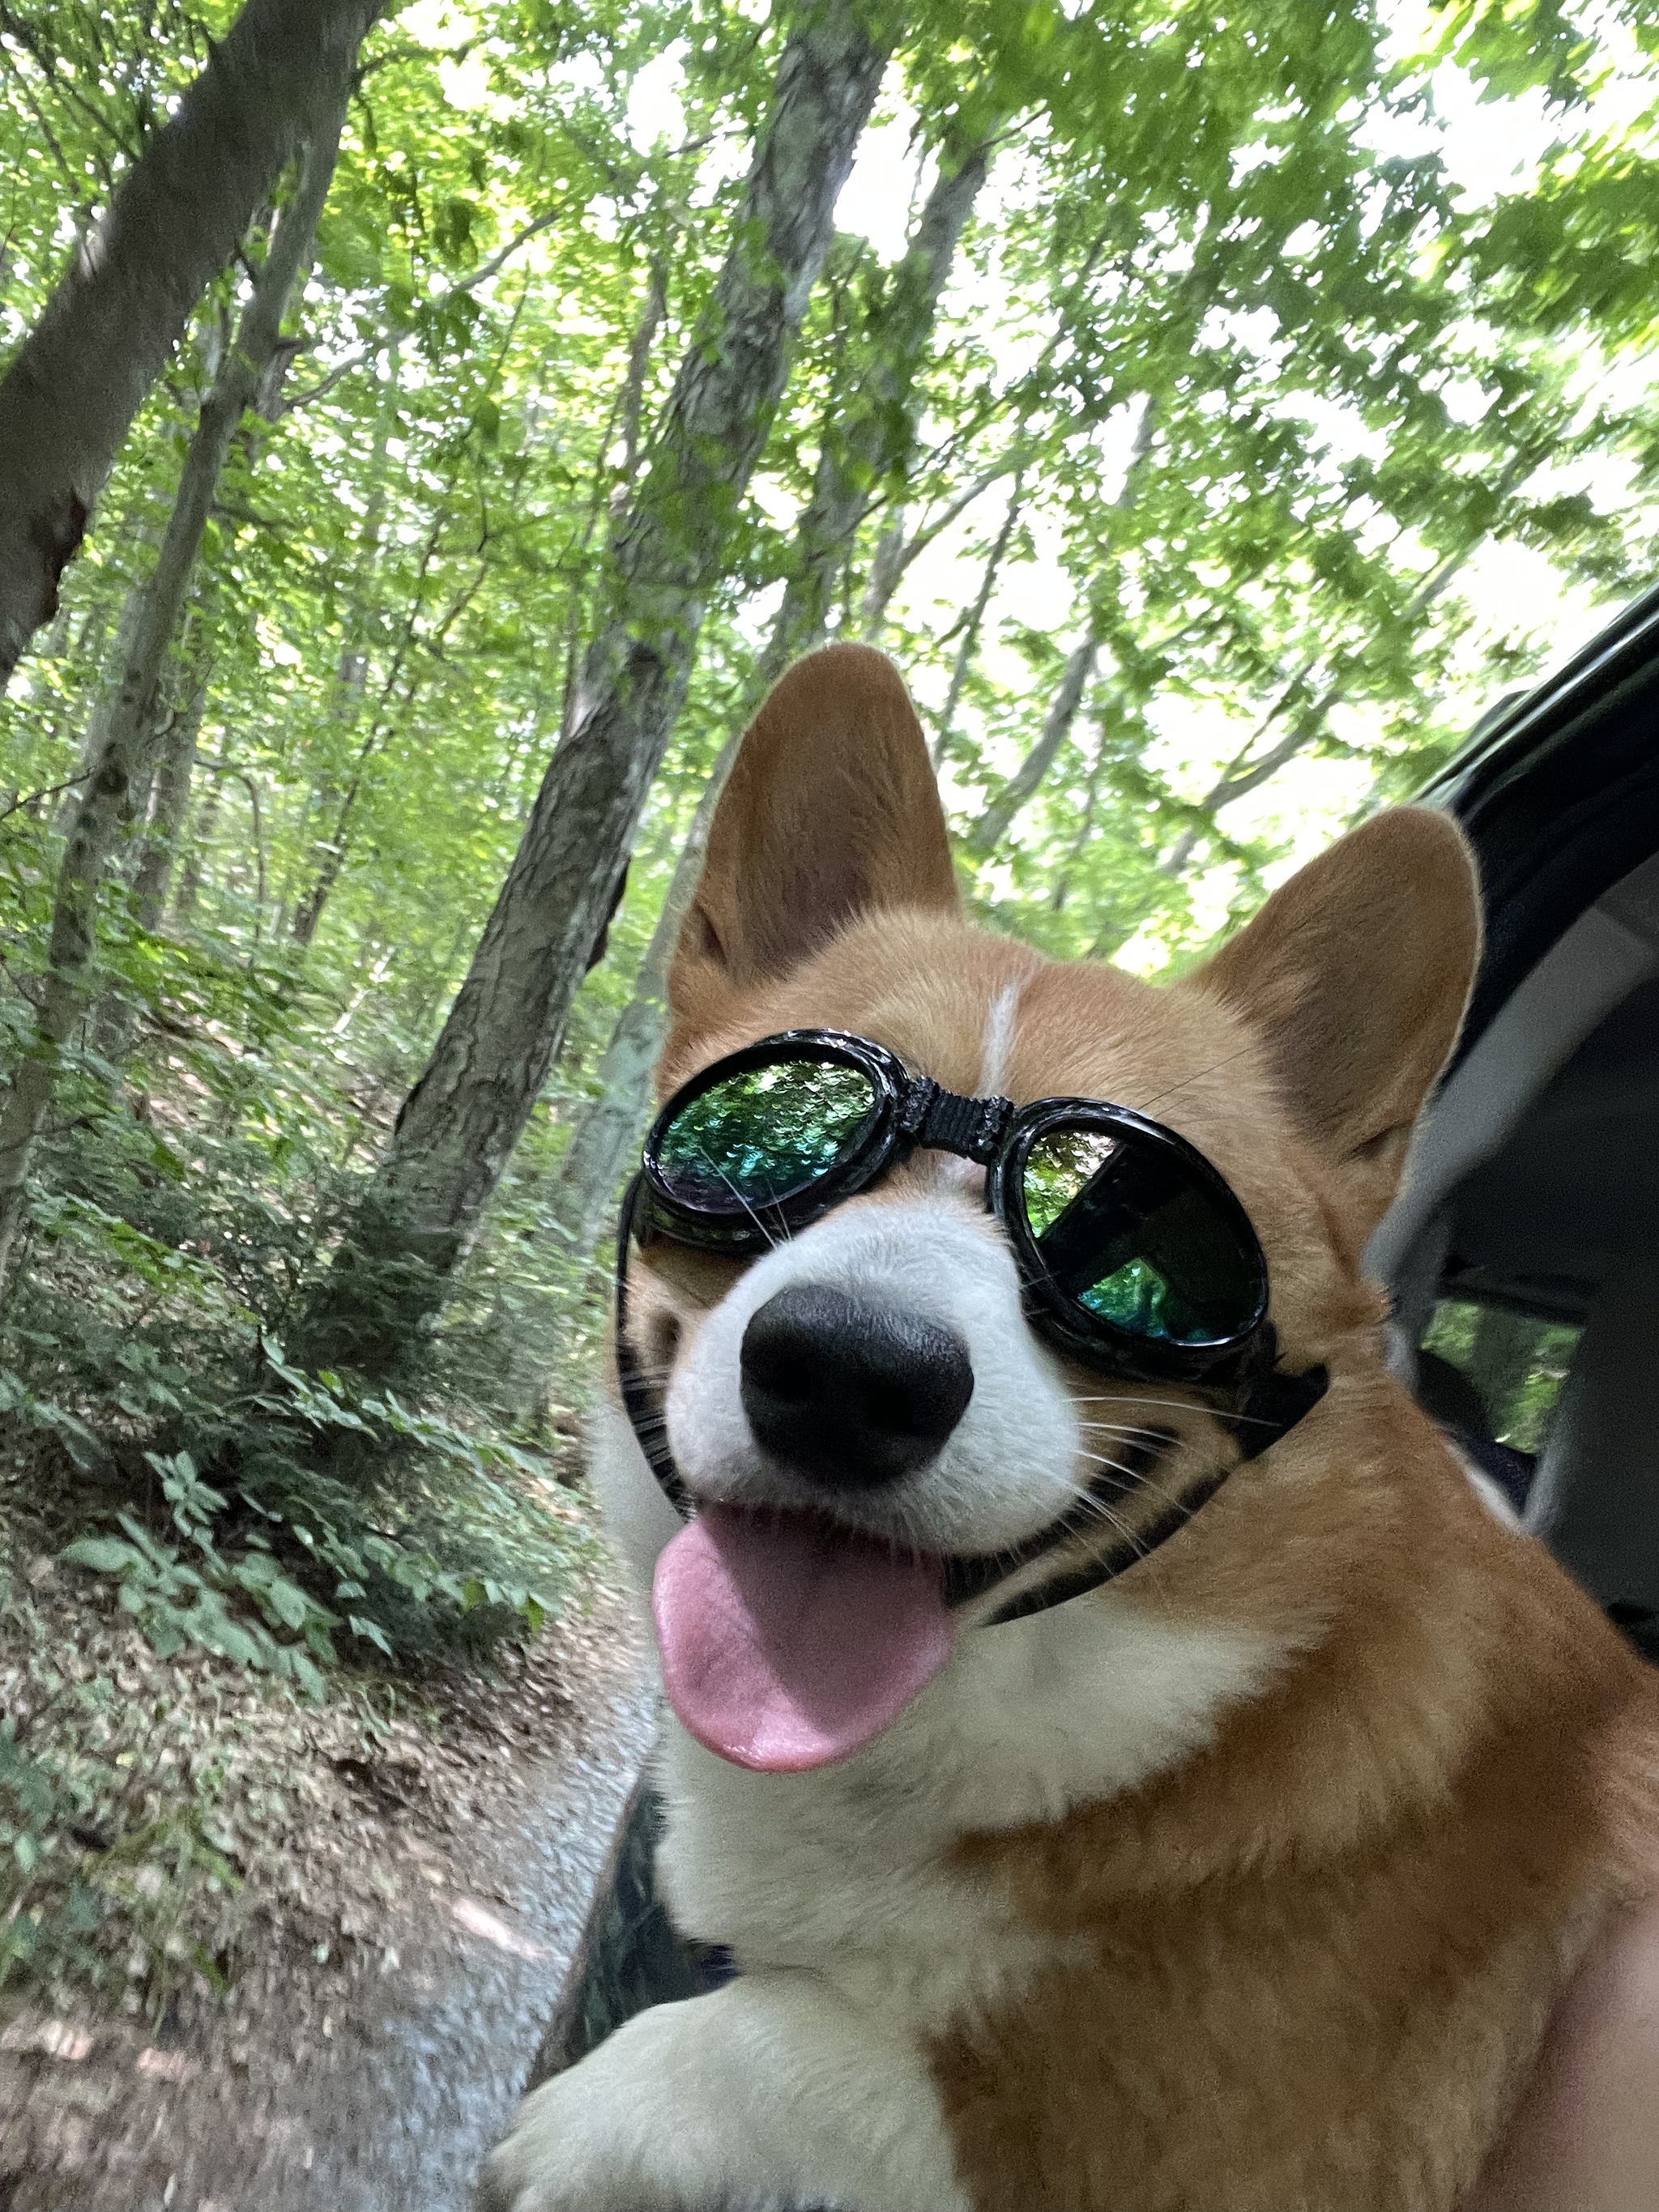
x,y
1212,408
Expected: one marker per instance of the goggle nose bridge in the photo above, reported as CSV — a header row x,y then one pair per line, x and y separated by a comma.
x,y
941,1120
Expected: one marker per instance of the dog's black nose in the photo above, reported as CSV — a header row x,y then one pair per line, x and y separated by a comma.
x,y
851,1391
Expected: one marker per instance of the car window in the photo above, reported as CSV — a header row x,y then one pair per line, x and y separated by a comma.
x,y
1515,1364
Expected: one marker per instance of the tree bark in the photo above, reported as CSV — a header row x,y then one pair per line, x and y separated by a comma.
x,y
72,390
105,799
866,448
887,567
464,1116
198,847
872,441
173,777
593,1160
103,706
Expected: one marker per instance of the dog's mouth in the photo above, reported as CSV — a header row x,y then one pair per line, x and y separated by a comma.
x,y
789,1641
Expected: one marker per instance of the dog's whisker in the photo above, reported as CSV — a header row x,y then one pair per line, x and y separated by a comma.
x,y
1181,1405
1146,1482
772,1241
1199,1076
1126,1431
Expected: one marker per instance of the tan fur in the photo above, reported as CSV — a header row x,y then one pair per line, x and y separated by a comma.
x,y
1310,1966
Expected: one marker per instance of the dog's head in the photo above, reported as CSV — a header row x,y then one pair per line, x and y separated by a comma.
x,y
1296,1061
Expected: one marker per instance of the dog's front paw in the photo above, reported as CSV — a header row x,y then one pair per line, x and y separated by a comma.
x,y
556,2159
613,2135
772,2095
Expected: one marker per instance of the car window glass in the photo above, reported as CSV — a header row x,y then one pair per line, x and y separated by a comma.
x,y
1515,1365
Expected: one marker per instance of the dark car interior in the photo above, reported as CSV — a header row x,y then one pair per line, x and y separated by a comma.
x,y
1523,1254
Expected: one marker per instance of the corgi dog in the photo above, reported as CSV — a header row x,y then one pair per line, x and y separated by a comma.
x,y
1130,1768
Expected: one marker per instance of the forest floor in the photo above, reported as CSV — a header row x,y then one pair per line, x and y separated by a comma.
x,y
411,1889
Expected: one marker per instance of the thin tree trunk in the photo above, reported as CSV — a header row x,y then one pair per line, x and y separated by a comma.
x,y
1085,830
970,628
593,1160
107,800
993,824
887,567
638,363
194,870
870,441
1243,774
628,410
462,1120
896,554
336,849
109,328
173,776
1058,723
351,671
127,624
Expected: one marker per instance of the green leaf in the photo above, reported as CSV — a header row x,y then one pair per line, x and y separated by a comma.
x,y
105,1555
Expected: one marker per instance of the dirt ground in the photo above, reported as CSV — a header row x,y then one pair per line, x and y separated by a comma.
x,y
371,2074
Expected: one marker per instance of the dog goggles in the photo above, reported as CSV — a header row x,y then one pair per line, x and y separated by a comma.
x,y
1135,1257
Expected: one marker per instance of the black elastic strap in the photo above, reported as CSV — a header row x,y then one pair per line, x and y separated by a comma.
x,y
1127,1553
640,1401
1276,1404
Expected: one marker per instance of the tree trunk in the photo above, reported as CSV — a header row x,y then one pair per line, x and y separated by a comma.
x,y
887,567
871,441
895,553
173,776
600,1142
127,624
462,1120
106,799
993,824
108,330
975,621
335,849
198,845
351,672
1085,830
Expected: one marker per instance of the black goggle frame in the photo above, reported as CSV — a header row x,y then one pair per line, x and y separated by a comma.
x,y
911,1113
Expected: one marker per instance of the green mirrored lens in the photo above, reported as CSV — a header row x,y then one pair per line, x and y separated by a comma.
x,y
756,1139
1131,1232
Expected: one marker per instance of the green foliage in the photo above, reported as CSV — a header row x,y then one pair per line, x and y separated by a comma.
x,y
282,1519
112,1855
1516,1364
1240,379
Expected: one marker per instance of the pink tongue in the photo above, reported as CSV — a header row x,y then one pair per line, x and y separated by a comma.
x,y
787,1644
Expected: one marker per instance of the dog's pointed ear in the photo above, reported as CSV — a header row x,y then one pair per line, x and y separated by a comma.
x,y
831,812
1356,973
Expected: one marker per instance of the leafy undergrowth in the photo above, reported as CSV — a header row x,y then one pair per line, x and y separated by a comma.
x,y
228,1580
165,1821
